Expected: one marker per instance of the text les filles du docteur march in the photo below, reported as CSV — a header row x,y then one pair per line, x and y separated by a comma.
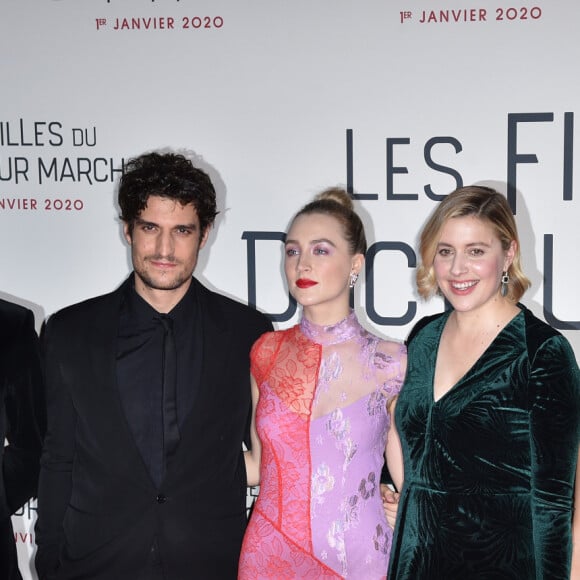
x,y
86,170
19,169
22,169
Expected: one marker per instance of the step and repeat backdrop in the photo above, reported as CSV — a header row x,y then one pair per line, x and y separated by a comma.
x,y
401,101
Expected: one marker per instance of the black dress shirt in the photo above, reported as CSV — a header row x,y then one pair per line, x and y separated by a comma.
x,y
140,368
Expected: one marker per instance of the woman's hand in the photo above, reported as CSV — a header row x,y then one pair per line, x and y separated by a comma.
x,y
390,503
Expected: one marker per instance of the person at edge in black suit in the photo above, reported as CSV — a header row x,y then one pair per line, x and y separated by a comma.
x,y
22,423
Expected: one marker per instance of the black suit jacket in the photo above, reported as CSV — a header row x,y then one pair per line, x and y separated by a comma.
x,y
99,511
21,422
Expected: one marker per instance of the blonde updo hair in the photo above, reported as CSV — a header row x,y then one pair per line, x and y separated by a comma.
x,y
337,203
486,204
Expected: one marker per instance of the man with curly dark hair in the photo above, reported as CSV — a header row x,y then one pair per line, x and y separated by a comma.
x,y
142,473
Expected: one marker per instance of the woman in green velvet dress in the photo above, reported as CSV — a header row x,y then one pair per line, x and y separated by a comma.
x,y
489,414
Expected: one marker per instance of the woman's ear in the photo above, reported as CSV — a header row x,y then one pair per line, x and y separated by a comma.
x,y
358,261
510,255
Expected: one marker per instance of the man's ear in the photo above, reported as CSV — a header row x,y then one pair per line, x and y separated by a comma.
x,y
204,238
127,233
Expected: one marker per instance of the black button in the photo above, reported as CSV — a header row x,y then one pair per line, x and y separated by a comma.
x,y
161,498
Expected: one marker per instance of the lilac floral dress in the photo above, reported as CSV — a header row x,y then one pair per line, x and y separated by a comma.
x,y
322,419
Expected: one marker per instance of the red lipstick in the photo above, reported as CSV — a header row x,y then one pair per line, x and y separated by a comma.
x,y
305,283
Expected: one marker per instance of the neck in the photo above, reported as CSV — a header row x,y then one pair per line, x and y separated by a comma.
x,y
325,316
495,315
161,300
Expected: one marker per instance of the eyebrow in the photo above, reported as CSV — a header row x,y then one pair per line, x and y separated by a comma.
x,y
313,242
142,222
467,245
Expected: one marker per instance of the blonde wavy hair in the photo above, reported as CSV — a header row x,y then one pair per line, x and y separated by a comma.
x,y
486,204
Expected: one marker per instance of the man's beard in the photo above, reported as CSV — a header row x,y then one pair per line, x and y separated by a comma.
x,y
163,284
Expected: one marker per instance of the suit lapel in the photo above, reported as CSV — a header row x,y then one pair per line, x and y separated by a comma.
x,y
104,362
216,338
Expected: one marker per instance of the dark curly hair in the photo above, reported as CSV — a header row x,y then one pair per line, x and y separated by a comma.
x,y
169,175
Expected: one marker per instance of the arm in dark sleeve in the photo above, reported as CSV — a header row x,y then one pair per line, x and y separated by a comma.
x,y
554,390
55,484
264,326
25,415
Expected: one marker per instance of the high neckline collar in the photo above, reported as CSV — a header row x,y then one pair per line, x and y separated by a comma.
x,y
342,331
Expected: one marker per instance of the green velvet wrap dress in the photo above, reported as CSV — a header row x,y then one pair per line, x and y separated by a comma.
x,y
489,466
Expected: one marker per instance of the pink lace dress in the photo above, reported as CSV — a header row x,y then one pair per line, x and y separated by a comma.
x,y
322,419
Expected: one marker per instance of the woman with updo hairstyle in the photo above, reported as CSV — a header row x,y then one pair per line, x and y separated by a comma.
x,y
489,413
322,393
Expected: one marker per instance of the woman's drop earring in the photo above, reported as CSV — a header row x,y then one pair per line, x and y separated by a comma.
x,y
505,281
